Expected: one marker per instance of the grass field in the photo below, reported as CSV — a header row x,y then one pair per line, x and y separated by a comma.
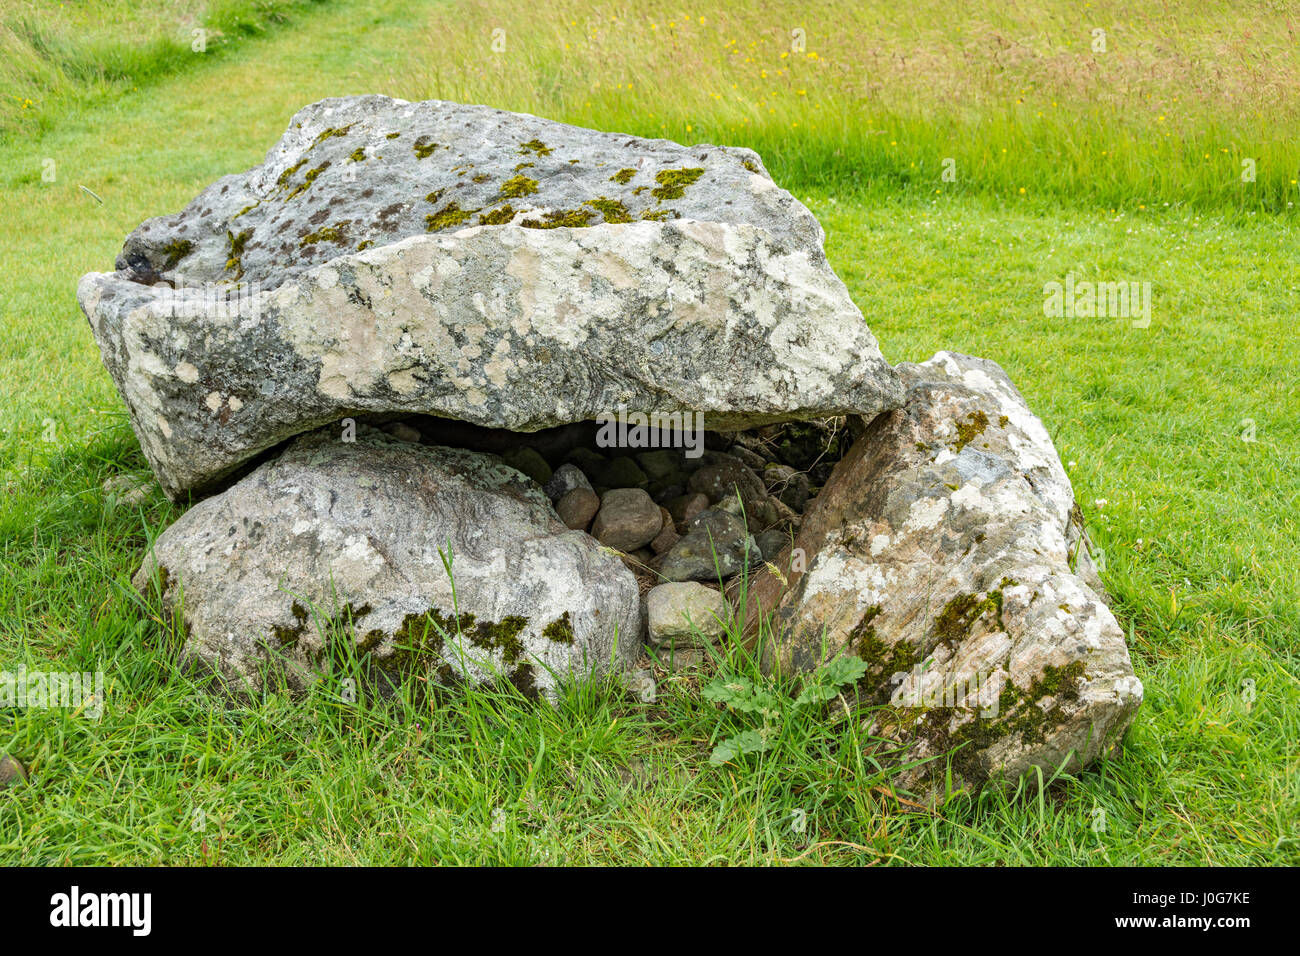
x,y
1062,166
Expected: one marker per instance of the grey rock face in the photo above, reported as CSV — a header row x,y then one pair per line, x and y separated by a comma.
x,y
772,542
940,552
727,479
483,266
349,539
716,544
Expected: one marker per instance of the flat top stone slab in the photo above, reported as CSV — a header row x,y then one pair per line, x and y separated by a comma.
x,y
370,266
356,172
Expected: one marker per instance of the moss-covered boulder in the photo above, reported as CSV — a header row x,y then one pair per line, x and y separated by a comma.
x,y
416,561
945,552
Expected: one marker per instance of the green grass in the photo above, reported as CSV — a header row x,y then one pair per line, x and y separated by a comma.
x,y
1199,527
88,53
878,96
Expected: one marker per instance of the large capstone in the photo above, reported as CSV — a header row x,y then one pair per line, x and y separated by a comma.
x,y
353,547
479,265
945,552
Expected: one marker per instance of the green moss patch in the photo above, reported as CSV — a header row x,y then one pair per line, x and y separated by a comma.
x,y
497,217
970,429
673,182
883,660
535,146
175,251
612,209
236,251
556,218
623,176
560,630
335,233
424,149
517,186
446,217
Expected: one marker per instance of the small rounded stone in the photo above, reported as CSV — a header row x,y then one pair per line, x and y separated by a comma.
x,y
628,519
577,508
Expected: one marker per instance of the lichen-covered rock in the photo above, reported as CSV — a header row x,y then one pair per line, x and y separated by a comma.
x,y
477,265
346,541
940,552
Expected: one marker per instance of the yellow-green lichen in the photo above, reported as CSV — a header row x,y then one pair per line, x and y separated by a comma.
x,y
285,176
673,182
236,252
308,178
327,133
175,251
622,176
449,215
557,218
659,215
612,209
967,431
423,148
535,146
497,217
335,233
517,186
358,154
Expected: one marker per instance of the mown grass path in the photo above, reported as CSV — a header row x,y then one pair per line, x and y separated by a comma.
x,y
1199,528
